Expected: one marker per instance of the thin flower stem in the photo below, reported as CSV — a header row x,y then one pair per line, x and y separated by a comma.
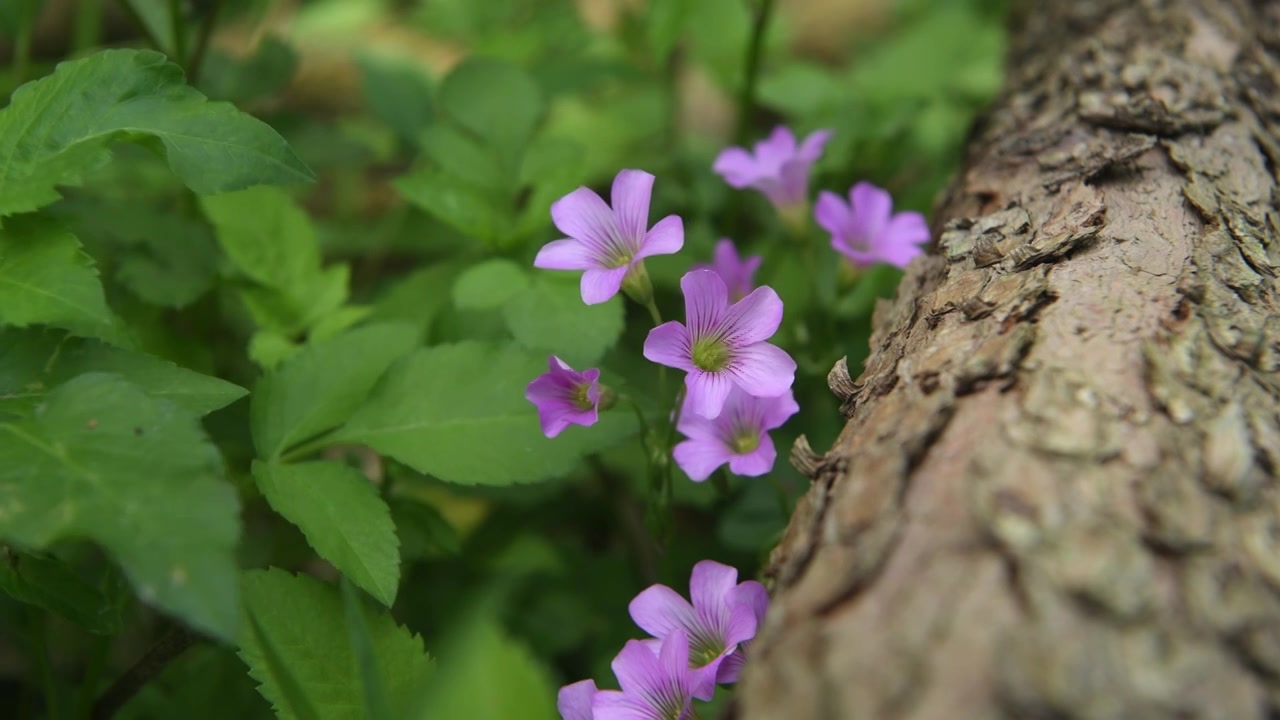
x,y
313,445
151,37
39,639
652,307
22,53
179,32
168,648
202,42
87,31
644,422
751,70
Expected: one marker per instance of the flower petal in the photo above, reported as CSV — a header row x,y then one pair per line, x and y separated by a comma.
x,y
763,370
566,254
659,610
736,166
774,412
630,197
832,213
742,624
871,209
731,667
709,585
582,215
752,594
674,657
706,298
668,344
707,392
757,462
811,147
600,285
638,670
696,427
614,705
698,457
574,701
776,149
754,318
666,238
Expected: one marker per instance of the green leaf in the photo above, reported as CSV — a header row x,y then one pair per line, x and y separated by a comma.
x,y
453,202
45,278
397,92
376,704
550,316
245,80
45,581
418,298
104,461
475,657
295,702
458,412
303,619
461,156
320,387
489,285
34,361
342,517
666,21
58,127
495,99
423,531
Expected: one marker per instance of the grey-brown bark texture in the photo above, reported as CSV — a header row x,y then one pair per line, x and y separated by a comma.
x,y
1056,493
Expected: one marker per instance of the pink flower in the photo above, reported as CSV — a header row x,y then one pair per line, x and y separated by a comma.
x,y
866,230
739,436
724,615
655,686
574,701
737,273
609,244
776,167
565,397
723,345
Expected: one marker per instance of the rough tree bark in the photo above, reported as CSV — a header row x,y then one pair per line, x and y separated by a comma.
x,y
1055,496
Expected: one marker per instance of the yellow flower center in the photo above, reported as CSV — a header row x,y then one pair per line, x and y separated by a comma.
x,y
710,354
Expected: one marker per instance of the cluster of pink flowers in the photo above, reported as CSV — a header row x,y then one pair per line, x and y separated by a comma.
x,y
694,647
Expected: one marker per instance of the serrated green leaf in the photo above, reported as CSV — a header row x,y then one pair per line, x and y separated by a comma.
x,y
304,620
549,315
321,386
376,704
458,412
294,701
58,127
104,461
46,581
495,99
455,203
45,278
343,518
474,657
32,362
489,285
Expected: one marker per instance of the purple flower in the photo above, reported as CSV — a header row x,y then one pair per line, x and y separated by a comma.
x,y
609,243
574,701
739,436
565,397
655,686
724,615
866,230
738,273
723,345
776,167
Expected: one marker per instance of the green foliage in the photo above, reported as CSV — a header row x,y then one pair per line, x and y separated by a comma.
x,y
45,580
458,412
489,285
495,100
342,517
71,470
550,316
57,128
304,620
476,654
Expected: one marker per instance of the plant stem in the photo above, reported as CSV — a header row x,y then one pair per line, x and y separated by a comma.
x,y
22,54
37,623
314,444
88,25
170,645
142,25
93,676
179,32
751,70
652,307
202,42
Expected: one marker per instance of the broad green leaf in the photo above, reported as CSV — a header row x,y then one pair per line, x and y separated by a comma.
x,y
495,99
342,517
376,704
473,659
294,701
46,581
103,460
489,285
665,23
45,278
321,386
58,127
304,620
464,157
245,80
397,92
550,316
269,348
33,362
298,308
458,412
157,17
455,203
418,298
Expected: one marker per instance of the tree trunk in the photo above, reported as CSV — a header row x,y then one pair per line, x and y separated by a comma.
x,y
1055,496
